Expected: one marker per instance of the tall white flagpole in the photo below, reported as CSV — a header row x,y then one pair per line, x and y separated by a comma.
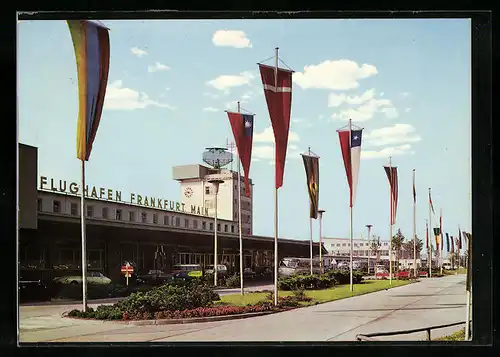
x,y
390,221
441,240
320,212
350,208
310,233
275,203
84,242
240,230
414,231
431,233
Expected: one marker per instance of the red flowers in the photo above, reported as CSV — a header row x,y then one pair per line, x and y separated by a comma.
x,y
198,312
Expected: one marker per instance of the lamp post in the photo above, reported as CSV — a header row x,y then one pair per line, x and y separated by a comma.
x,y
369,226
216,184
320,213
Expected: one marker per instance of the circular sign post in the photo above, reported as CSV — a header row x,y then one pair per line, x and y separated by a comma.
x,y
127,270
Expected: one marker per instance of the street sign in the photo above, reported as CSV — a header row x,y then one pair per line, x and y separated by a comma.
x,y
127,270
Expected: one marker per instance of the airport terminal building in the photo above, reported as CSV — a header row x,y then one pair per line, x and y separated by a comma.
x,y
129,227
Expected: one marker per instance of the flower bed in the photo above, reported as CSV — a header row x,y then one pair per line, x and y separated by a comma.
x,y
112,313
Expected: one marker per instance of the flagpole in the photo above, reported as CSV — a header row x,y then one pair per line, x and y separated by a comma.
x,y
311,234
441,240
84,242
414,230
350,208
275,201
240,230
320,212
390,221
430,236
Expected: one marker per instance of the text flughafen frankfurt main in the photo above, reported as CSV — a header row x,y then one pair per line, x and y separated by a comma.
x,y
49,184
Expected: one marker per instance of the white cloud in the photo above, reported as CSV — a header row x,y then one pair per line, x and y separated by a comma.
x,y
381,94
386,152
366,111
247,95
405,94
407,110
231,38
266,153
392,135
302,122
233,105
121,98
210,109
226,82
336,75
138,52
267,136
167,88
211,95
335,100
158,67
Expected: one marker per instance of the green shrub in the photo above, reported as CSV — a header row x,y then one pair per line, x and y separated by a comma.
x,y
233,281
169,297
301,282
300,295
343,276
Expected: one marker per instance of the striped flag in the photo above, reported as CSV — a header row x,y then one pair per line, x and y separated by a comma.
x,y
91,45
350,144
441,238
392,175
448,242
414,190
430,202
436,237
427,235
311,165
452,244
459,238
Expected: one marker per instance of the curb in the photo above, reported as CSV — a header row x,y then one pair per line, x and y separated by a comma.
x,y
179,321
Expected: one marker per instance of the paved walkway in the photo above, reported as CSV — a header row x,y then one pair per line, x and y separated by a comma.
x,y
430,302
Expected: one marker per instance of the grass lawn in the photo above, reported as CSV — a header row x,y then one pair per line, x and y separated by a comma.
x,y
457,336
319,296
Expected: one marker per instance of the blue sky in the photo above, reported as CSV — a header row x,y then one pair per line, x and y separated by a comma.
x,y
407,82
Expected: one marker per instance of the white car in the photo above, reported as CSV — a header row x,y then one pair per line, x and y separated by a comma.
x,y
93,277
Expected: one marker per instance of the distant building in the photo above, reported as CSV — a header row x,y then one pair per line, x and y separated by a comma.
x,y
197,191
361,248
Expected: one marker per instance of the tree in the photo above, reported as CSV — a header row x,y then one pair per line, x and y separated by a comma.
x,y
408,247
375,247
397,243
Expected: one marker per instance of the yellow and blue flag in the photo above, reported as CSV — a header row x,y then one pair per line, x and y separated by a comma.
x,y
91,43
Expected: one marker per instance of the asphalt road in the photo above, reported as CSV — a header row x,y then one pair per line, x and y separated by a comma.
x,y
429,302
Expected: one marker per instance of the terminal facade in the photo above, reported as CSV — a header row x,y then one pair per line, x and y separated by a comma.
x,y
129,227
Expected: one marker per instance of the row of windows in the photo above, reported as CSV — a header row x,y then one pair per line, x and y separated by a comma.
x,y
355,244
244,205
210,189
175,221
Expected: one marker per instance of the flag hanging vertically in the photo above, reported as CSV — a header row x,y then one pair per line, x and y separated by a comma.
x,y
242,126
436,237
464,235
447,243
277,84
427,235
311,165
350,144
469,261
392,175
430,202
414,190
452,244
441,238
91,44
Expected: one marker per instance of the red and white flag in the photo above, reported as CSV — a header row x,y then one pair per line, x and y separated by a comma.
x,y
392,175
350,144
278,91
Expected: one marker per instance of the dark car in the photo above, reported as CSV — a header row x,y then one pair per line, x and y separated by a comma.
x,y
153,277
33,290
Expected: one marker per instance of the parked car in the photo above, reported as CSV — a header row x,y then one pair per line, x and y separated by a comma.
x,y
221,271
153,277
248,273
32,290
93,277
193,270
